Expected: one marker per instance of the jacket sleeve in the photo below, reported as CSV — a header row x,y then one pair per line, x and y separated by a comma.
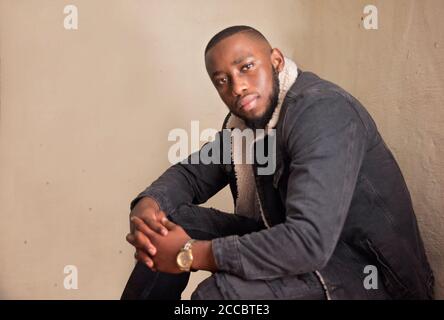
x,y
326,143
185,182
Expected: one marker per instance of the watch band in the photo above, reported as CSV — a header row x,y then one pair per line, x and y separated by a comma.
x,y
188,244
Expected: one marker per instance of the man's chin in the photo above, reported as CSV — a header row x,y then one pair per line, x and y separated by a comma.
x,y
250,121
256,118
256,122
251,117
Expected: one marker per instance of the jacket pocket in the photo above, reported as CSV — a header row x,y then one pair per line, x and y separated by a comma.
x,y
390,278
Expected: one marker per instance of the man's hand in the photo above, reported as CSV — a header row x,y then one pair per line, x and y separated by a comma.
x,y
167,246
149,212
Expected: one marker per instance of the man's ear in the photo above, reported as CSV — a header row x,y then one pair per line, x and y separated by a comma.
x,y
277,59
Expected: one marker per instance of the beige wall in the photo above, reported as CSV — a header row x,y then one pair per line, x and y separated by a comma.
x,y
84,116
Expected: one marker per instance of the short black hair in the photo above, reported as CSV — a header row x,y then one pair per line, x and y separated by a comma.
x,y
225,33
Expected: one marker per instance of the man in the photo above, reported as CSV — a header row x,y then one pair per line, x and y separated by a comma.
x,y
334,220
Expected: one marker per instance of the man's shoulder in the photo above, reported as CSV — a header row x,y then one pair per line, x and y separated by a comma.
x,y
312,94
316,100
309,87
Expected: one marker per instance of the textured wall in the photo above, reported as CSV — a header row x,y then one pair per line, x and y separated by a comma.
x,y
85,114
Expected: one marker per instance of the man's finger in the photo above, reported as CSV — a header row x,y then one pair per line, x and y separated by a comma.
x,y
168,223
141,241
141,256
143,227
155,225
130,238
144,243
131,227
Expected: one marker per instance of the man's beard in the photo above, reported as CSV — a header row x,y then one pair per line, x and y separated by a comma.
x,y
261,122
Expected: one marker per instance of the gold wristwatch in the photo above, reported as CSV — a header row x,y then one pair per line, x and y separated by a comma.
x,y
185,256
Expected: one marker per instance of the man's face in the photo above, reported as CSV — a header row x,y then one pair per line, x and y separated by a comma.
x,y
244,71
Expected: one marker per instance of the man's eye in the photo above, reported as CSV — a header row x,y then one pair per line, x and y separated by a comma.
x,y
221,81
247,66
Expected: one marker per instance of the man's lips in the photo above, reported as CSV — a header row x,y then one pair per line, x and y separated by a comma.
x,y
247,102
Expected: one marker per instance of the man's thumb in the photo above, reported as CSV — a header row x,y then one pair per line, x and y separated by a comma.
x,y
168,223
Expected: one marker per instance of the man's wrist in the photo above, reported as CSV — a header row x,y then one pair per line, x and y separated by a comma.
x,y
203,258
148,202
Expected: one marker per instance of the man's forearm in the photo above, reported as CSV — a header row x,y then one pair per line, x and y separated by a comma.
x,y
203,258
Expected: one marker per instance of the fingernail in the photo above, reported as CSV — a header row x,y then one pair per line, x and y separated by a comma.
x,y
164,232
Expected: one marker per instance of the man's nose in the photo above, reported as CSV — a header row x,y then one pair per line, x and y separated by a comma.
x,y
238,86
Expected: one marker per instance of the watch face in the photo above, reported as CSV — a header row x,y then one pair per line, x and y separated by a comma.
x,y
184,259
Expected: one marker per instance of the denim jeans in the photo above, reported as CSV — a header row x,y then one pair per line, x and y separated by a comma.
x,y
206,224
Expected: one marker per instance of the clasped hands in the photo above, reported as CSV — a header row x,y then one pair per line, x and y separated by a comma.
x,y
157,240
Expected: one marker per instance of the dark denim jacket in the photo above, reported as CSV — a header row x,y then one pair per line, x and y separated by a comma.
x,y
336,189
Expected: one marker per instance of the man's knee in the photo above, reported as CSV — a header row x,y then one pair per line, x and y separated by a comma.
x,y
193,221
183,216
178,213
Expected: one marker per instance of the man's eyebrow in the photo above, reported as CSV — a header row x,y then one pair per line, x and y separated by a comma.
x,y
215,73
235,62
240,59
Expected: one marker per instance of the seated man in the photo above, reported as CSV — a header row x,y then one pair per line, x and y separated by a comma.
x,y
334,211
